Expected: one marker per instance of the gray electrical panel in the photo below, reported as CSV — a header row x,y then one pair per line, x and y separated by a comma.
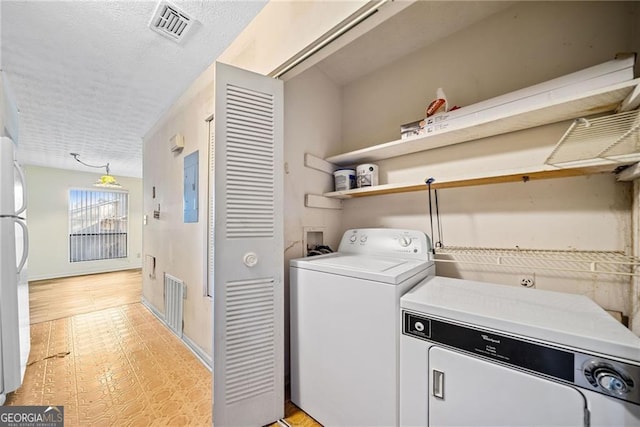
x,y
191,187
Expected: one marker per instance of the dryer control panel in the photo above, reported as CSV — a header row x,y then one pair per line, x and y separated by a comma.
x,y
614,378
401,243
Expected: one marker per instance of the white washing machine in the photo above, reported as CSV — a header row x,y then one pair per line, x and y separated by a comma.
x,y
478,354
345,325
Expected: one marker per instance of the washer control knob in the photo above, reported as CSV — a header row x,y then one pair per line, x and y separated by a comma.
x,y
404,241
353,238
419,326
363,239
611,381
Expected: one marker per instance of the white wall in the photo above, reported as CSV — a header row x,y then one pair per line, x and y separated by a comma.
x,y
634,295
317,132
582,213
635,33
179,248
529,43
284,28
323,116
526,44
48,220
507,52
278,32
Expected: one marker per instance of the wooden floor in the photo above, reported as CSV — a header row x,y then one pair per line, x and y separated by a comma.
x,y
97,351
59,298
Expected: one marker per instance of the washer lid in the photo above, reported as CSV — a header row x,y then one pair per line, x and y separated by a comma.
x,y
554,317
367,267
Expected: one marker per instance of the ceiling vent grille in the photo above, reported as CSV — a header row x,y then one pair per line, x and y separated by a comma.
x,y
171,22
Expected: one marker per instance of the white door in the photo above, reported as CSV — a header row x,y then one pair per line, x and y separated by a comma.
x,y
466,391
248,249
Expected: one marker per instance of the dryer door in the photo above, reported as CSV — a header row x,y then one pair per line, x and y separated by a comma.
x,y
465,390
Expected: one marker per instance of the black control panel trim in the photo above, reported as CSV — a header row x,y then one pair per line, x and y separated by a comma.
x,y
522,354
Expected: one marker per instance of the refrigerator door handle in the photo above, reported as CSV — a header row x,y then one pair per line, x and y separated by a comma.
x,y
25,247
23,183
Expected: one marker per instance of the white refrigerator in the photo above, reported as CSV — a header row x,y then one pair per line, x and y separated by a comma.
x,y
14,290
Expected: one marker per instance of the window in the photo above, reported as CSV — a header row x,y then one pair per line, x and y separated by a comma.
x,y
97,225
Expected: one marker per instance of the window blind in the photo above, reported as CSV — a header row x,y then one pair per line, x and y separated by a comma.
x,y
98,225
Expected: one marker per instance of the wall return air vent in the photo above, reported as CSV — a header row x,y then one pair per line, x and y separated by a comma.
x,y
171,22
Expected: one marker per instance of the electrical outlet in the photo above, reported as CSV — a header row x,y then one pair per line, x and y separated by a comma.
x,y
527,281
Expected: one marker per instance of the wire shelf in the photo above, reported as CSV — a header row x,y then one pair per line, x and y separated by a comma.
x,y
594,262
609,139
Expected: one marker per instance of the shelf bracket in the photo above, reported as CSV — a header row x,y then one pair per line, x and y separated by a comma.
x,y
317,201
631,102
319,164
629,174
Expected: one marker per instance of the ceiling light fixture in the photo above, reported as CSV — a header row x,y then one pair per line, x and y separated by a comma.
x,y
105,181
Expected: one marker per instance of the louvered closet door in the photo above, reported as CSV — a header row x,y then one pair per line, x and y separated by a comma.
x,y
248,378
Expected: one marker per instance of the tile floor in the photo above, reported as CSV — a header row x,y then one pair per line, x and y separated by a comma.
x,y
110,362
115,367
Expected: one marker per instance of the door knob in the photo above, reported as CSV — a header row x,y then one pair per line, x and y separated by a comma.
x,y
250,259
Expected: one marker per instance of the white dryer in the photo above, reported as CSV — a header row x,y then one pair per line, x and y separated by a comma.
x,y
478,354
345,325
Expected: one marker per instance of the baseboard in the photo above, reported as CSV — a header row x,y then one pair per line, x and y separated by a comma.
x,y
204,358
152,309
82,273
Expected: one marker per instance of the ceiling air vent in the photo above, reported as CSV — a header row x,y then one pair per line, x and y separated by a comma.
x,y
170,22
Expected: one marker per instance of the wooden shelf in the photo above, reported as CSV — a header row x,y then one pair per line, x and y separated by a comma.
x,y
481,125
545,109
497,177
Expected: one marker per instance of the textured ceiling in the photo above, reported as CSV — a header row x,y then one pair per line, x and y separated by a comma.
x,y
90,77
